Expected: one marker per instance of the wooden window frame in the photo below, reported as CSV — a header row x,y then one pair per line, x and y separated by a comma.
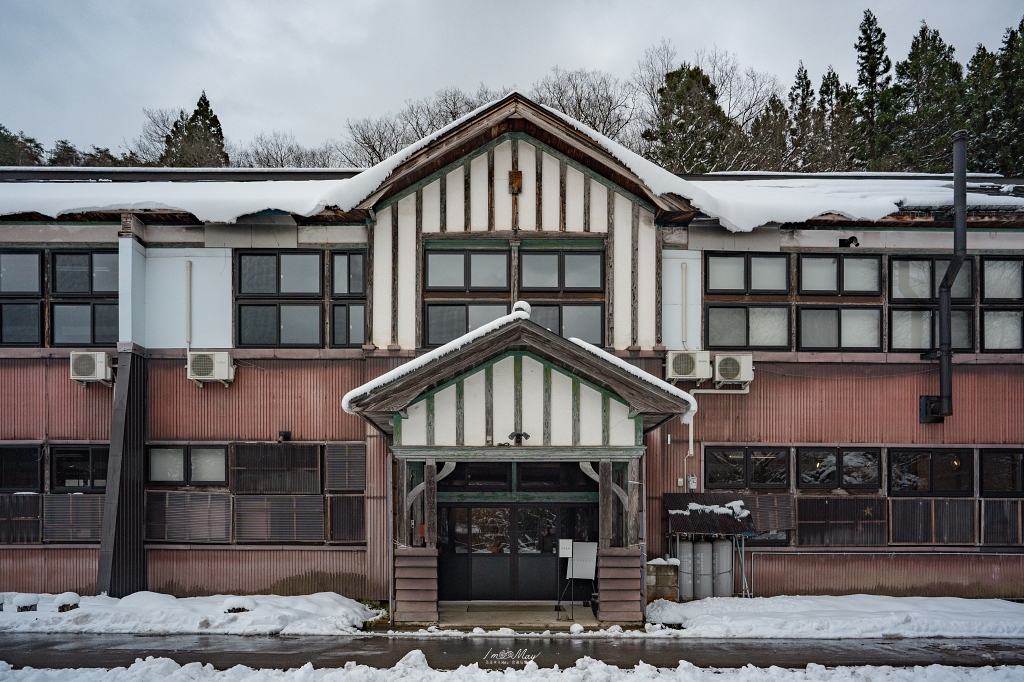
x,y
747,273
839,329
561,288
186,481
746,333
467,257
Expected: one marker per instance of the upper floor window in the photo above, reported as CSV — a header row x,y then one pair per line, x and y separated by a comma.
x,y
1002,280
918,278
752,467
467,270
85,274
20,468
80,468
448,321
750,273
21,273
561,271
1001,473
348,310
841,275
917,329
276,276
188,465
931,472
285,273
584,321
831,468
755,326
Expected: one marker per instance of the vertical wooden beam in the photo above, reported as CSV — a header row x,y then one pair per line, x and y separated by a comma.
x,y
466,194
489,403
561,195
634,247
609,267
490,189
418,338
586,202
605,419
371,234
430,502
514,267
658,244
575,412
547,405
444,202
403,503
517,380
540,189
394,276
460,412
605,506
430,420
633,495
515,196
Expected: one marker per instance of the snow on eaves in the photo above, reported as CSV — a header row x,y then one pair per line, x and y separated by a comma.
x,y
521,312
686,417
734,509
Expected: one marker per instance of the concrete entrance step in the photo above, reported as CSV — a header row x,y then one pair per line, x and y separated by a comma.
x,y
529,616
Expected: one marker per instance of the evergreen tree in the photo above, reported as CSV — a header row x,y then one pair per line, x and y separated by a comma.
x,y
873,66
927,95
1008,110
19,149
834,121
978,108
196,140
767,147
691,132
801,113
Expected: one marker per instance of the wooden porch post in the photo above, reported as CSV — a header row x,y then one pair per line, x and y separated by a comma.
x,y
403,504
606,499
430,502
633,494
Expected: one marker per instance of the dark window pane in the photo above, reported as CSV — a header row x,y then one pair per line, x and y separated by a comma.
x,y
582,271
769,468
818,468
339,325
99,467
357,325
106,321
20,323
490,530
300,325
479,315
355,273
72,273
72,324
860,468
71,469
768,273
1001,472
726,273
583,322
961,329
540,270
724,468
257,325
952,472
453,530
910,471
19,468
546,316
962,283
580,524
341,276
446,270
104,272
489,474
300,273
444,323
536,529
819,328
533,476
488,270
259,274
19,273
727,327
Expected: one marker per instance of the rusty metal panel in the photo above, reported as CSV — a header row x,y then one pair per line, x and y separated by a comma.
x,y
899,574
266,397
191,571
1000,522
927,521
49,570
20,518
188,516
865,403
40,401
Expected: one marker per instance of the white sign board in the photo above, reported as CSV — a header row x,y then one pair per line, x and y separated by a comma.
x,y
564,549
583,564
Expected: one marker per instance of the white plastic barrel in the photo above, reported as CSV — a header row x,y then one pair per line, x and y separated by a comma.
x,y
722,567
684,552
703,577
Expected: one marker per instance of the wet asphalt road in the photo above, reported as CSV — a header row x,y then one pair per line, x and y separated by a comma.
x,y
225,651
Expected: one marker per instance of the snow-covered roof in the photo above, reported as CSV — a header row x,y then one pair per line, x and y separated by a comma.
x,y
740,205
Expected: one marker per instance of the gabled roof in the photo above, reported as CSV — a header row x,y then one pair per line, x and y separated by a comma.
x,y
655,400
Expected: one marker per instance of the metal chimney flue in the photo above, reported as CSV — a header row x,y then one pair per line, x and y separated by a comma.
x,y
935,408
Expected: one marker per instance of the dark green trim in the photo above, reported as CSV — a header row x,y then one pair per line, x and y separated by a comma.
x,y
396,423
517,380
605,420
518,498
446,453
460,413
561,243
547,405
462,243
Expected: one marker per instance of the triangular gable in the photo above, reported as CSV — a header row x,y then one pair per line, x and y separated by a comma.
x,y
649,398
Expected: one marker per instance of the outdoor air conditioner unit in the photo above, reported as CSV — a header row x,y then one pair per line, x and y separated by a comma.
x,y
734,368
92,366
692,365
203,367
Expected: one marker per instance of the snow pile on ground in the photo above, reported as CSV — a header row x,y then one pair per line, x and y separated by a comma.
x,y
414,668
852,616
150,613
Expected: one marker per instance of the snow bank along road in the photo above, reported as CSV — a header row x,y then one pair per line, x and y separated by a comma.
x,y
414,668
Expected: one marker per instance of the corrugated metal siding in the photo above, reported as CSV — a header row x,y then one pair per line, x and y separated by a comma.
x,y
378,517
191,571
1000,521
898,574
267,396
865,403
49,570
40,401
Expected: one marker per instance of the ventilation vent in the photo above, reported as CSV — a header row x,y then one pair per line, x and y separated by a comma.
x,y
345,466
933,521
19,518
275,468
188,516
347,517
72,518
688,365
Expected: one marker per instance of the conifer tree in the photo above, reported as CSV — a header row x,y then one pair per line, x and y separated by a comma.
x,y
19,149
1008,110
834,120
873,79
801,112
926,94
767,146
978,109
196,140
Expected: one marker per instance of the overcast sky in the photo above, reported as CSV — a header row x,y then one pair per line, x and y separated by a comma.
x,y
85,70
